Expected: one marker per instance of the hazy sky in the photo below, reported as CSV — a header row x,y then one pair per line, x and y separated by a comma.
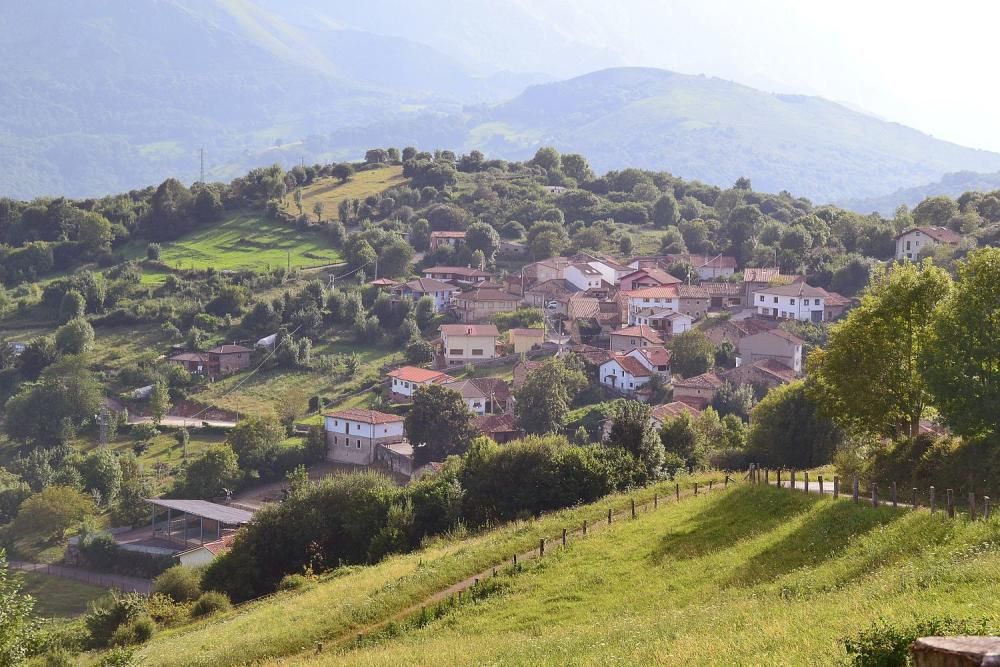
x,y
925,64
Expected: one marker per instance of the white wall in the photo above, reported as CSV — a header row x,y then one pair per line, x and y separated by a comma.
x,y
789,307
584,282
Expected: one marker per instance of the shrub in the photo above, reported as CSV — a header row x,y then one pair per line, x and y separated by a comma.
x,y
179,583
119,657
110,613
57,656
144,431
153,251
293,582
884,644
135,632
165,611
210,603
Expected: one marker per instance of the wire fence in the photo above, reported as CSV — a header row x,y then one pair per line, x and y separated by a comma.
x,y
110,581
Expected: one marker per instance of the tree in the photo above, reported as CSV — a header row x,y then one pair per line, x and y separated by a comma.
x,y
376,156
868,379
673,242
734,400
52,511
102,472
256,440
47,412
632,430
215,472
73,305
693,353
343,172
481,236
159,402
75,337
318,210
543,402
682,444
439,424
961,361
395,259
576,167
788,429
419,351
420,234
16,625
547,158
935,211
665,211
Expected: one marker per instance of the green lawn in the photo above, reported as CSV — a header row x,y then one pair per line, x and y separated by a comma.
x,y
59,597
758,576
330,191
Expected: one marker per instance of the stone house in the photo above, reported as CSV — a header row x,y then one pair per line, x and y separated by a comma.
x,y
776,344
353,433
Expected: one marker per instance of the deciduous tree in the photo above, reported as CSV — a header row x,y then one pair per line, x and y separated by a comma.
x,y
439,423
543,402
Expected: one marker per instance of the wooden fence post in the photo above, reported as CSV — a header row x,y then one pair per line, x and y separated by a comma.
x,y
725,482
656,500
696,488
541,547
933,507
894,495
767,481
916,503
793,480
515,559
855,490
564,537
836,486
820,480
609,517
633,507
710,483
951,504
677,490
972,506
805,482
986,508
874,494
584,527
777,474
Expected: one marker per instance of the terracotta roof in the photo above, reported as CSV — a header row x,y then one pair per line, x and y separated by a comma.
x,y
481,388
692,292
793,289
704,381
836,299
640,331
487,294
190,356
229,349
658,292
459,271
419,375
760,275
939,234
656,354
553,288
723,289
364,416
447,235
631,365
533,333
781,333
747,327
590,354
667,411
384,282
426,285
469,330
775,368
656,274
487,424
222,545
699,261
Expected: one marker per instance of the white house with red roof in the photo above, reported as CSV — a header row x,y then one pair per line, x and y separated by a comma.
x,y
910,242
797,301
662,296
656,359
647,277
630,338
583,276
668,321
625,374
405,380
441,292
353,433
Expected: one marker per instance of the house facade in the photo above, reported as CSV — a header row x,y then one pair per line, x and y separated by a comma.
x,y
584,277
352,434
797,301
624,374
630,338
776,344
656,359
464,343
693,300
458,274
664,296
697,391
762,373
228,359
664,320
647,277
484,396
910,242
525,340
404,381
440,291
708,267
453,239
480,305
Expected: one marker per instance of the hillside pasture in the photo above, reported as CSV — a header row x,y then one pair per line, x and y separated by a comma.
x,y
330,191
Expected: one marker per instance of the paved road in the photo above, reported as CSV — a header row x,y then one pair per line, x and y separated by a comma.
x,y
121,582
182,421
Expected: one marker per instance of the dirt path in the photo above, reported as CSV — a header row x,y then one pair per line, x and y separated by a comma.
x,y
121,582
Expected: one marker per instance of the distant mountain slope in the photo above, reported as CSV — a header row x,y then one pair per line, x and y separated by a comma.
x,y
952,185
716,130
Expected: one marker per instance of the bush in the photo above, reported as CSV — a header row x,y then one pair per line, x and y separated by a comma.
x,y
293,582
884,644
210,603
165,611
144,431
110,613
57,656
136,632
119,657
179,583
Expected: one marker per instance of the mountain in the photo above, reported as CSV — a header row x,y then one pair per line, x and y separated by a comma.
x,y
952,185
716,131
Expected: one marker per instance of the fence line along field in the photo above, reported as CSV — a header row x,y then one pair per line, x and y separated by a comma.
x,y
330,191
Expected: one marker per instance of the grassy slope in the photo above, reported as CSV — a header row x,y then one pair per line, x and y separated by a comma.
x,y
330,192
756,576
56,597
290,623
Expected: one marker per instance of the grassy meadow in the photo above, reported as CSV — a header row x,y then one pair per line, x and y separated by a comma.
x,y
58,597
330,191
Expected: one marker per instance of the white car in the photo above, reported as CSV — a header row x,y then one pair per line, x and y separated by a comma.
x,y
552,305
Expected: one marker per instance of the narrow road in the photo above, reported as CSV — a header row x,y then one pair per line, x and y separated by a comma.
x,y
188,422
121,582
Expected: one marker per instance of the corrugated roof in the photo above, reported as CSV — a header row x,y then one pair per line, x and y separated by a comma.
x,y
206,510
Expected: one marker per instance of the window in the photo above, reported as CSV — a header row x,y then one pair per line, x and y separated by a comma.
x,y
455,352
776,299
761,297
335,440
359,444
805,302
907,245
791,302
477,352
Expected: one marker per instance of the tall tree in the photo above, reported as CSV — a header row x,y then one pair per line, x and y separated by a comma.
x,y
543,402
962,360
868,378
16,626
439,424
159,402
788,429
632,430
692,353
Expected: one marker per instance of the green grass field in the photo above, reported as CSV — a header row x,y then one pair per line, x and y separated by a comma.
x,y
59,597
330,191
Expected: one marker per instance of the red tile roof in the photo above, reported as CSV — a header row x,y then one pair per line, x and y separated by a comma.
x,y
419,375
692,292
675,409
427,285
939,234
533,333
631,365
781,333
760,275
469,330
229,349
640,331
657,355
723,289
487,424
704,381
836,299
658,292
190,356
364,416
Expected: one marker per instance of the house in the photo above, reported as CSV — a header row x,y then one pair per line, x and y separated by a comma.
x,y
464,343
584,276
629,338
203,554
625,374
441,292
482,303
499,428
454,239
647,277
656,359
697,391
553,268
383,284
226,359
776,344
660,414
732,331
797,301
406,380
664,296
665,320
755,279
457,274
725,295
484,396
353,433
522,369
611,270
708,267
397,457
835,305
693,300
910,242
513,248
761,373
193,362
525,340
556,292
